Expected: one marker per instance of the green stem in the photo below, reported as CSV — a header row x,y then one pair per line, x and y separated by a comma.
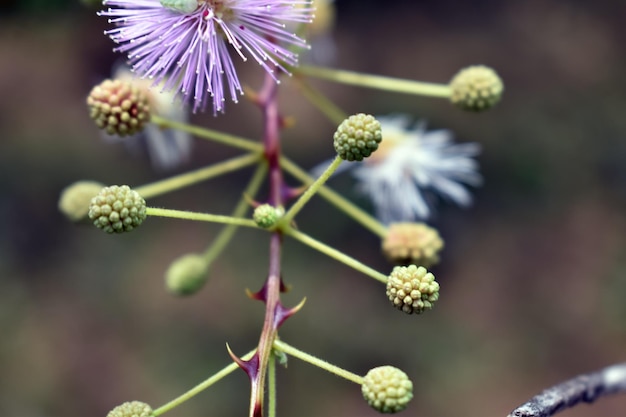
x,y
189,178
310,192
376,81
290,350
214,135
337,200
203,217
334,253
200,387
323,104
271,389
227,233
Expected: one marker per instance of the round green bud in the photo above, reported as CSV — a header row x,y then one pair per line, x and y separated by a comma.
x,y
267,215
119,107
357,137
412,289
117,209
476,88
387,389
186,275
75,199
412,243
131,409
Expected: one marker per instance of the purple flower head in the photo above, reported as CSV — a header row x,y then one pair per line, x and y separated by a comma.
x,y
185,43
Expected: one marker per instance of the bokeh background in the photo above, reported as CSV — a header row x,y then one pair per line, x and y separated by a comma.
x,y
533,275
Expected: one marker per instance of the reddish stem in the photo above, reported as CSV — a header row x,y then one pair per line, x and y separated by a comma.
x,y
275,313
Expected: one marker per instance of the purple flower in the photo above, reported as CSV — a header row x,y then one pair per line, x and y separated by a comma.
x,y
189,50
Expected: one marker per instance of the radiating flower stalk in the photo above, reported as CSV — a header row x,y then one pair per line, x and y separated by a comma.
x,y
184,46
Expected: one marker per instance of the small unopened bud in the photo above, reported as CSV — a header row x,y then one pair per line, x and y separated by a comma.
x,y
412,289
119,107
357,137
117,209
387,389
131,409
267,215
186,275
75,199
476,88
412,243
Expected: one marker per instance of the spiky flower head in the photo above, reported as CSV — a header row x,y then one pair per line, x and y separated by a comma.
x,y
387,389
412,289
476,88
187,274
166,147
131,409
118,107
357,137
75,199
186,43
267,215
412,243
117,209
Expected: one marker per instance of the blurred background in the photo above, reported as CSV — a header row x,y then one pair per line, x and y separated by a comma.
x,y
533,275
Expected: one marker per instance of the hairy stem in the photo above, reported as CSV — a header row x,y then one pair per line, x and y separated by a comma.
x,y
180,181
336,199
290,350
201,132
376,81
203,217
200,387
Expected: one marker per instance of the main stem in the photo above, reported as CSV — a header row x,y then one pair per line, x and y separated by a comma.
x,y
267,100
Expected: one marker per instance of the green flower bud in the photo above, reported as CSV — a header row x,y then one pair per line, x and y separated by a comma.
x,y
357,137
131,409
412,289
387,389
476,88
412,243
75,199
119,107
267,215
186,275
117,209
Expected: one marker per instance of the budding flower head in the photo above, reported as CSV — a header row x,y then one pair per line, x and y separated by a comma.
x,y
357,137
119,107
186,275
267,215
131,409
412,243
117,209
476,88
387,389
412,289
75,199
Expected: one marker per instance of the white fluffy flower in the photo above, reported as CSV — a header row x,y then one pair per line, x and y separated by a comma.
x,y
411,166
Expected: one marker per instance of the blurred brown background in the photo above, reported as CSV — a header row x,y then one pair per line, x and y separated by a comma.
x,y
533,275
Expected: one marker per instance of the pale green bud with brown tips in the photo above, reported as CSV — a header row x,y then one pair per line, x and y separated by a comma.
x,y
74,200
131,409
357,137
117,209
476,88
387,389
119,107
412,243
412,289
186,275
